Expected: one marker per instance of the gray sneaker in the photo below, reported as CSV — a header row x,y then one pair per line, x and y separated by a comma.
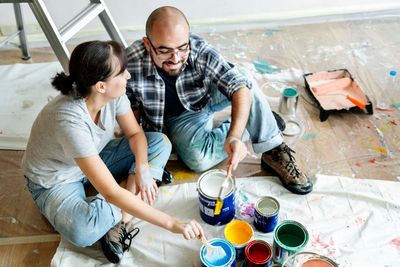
x,y
281,162
117,240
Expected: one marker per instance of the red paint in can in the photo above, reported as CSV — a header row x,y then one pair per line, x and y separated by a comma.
x,y
258,254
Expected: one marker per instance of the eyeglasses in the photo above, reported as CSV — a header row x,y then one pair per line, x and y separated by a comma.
x,y
166,53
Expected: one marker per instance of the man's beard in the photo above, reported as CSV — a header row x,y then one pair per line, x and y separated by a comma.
x,y
175,72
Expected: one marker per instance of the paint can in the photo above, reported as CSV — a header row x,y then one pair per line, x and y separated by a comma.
x,y
266,214
258,254
239,233
309,259
290,237
208,186
229,260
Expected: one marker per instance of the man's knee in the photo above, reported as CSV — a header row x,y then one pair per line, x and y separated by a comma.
x,y
198,161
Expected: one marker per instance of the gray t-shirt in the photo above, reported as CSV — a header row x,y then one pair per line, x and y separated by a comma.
x,y
63,131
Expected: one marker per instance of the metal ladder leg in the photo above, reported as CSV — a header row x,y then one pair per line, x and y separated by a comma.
x,y
110,24
21,32
58,38
50,30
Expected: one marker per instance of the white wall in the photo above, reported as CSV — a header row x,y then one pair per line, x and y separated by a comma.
x,y
131,15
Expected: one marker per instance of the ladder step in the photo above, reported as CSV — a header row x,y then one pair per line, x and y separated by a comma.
x,y
81,20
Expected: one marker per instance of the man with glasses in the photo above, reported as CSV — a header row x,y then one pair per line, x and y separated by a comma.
x,y
178,81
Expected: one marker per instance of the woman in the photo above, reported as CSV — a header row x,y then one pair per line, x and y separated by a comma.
x,y
72,144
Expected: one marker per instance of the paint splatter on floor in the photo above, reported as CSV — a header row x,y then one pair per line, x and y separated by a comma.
x,y
263,66
310,136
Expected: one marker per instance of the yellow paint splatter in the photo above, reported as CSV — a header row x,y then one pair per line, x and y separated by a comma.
x,y
379,149
371,140
183,175
164,191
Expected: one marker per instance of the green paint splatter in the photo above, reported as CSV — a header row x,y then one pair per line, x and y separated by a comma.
x,y
396,106
263,66
309,136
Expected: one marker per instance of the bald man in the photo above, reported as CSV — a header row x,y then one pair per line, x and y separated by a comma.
x,y
178,81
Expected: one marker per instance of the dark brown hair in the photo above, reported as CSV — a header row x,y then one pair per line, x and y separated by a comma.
x,y
90,63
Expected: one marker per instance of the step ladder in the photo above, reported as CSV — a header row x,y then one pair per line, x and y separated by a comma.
x,y
20,33
58,37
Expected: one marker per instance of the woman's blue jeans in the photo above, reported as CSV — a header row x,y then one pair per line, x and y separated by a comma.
x,y
84,220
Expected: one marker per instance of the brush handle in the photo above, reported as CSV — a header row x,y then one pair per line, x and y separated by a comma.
x,y
208,246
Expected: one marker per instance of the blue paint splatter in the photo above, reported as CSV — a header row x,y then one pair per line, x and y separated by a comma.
x,y
263,66
309,136
270,32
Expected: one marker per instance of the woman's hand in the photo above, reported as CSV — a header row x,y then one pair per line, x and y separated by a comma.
x,y
189,230
145,183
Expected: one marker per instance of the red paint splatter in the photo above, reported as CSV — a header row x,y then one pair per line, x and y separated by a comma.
x,y
358,164
359,221
317,240
372,160
395,243
393,122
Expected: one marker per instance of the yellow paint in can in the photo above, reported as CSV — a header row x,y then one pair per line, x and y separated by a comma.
x,y
238,232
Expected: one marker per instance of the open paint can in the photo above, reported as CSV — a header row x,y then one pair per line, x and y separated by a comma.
x,y
309,259
266,214
227,261
258,254
208,186
290,237
238,233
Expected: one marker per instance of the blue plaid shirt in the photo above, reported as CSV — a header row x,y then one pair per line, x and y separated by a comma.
x,y
205,66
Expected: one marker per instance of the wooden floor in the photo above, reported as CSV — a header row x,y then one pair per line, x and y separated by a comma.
x,y
349,143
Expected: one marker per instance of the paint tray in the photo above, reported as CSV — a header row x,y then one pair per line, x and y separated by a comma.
x,y
336,90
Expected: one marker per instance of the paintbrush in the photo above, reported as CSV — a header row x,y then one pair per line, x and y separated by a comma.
x,y
213,253
224,186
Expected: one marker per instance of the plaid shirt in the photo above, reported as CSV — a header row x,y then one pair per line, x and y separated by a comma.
x,y
205,66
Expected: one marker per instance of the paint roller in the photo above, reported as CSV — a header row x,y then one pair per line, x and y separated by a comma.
x,y
224,186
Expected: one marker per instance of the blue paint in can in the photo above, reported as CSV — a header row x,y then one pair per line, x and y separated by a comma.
x,y
228,261
208,186
266,214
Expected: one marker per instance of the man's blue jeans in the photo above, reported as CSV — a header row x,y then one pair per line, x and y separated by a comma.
x,y
200,146
84,220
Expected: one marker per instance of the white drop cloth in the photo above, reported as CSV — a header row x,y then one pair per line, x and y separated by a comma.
x,y
354,221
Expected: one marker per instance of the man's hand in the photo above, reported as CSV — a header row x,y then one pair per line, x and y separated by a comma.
x,y
146,184
236,151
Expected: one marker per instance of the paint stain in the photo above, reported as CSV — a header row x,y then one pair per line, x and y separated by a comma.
x,y
309,136
373,161
165,192
395,243
396,106
379,149
393,122
360,221
247,209
183,175
263,66
27,104
358,164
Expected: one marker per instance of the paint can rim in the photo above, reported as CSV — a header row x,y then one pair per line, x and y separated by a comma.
x,y
302,227
207,173
235,222
257,241
273,200
232,249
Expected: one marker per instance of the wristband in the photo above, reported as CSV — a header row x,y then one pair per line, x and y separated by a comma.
x,y
233,139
